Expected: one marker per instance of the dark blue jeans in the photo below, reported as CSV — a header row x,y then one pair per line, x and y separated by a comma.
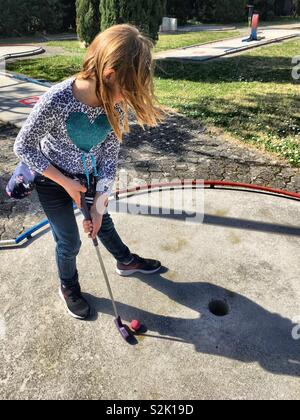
x,y
58,207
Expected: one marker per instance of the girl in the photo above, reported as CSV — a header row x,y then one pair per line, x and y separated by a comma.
x,y
72,139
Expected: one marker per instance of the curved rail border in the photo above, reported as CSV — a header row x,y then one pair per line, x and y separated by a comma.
x,y
212,184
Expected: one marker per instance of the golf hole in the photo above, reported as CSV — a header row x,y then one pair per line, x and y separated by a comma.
x,y
219,308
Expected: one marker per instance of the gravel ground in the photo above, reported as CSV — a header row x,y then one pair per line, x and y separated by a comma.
x,y
178,148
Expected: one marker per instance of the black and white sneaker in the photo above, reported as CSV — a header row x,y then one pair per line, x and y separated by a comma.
x,y
138,265
76,305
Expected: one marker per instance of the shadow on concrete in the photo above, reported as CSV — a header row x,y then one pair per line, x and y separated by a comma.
x,y
249,334
197,218
12,94
209,219
22,87
214,220
27,243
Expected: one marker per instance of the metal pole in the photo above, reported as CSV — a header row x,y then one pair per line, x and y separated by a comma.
x,y
106,280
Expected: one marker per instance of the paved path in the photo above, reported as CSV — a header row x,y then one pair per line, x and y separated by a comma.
x,y
244,255
7,51
16,95
205,28
219,49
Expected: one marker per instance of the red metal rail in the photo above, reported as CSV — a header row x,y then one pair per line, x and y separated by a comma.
x,y
210,184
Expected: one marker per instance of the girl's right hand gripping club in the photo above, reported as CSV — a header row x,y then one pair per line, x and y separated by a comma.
x,y
120,326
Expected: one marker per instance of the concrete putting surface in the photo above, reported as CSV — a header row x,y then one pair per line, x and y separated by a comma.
x,y
222,48
242,262
17,98
14,50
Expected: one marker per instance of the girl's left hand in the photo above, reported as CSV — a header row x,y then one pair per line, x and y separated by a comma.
x,y
93,227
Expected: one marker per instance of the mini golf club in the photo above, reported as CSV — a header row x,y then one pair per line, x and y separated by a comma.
x,y
120,326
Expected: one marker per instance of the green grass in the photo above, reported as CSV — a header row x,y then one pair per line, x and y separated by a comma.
x,y
251,97
53,69
168,42
71,46
165,42
24,39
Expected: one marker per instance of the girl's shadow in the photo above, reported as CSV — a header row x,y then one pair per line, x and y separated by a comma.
x,y
249,333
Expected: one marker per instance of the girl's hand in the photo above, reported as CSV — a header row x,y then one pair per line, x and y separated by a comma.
x,y
74,188
93,226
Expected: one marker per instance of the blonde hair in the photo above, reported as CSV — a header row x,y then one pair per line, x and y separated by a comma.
x,y
126,50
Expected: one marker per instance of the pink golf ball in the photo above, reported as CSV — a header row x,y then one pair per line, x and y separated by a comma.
x,y
135,325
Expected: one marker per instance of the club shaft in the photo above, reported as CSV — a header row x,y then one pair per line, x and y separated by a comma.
x,y
107,281
87,216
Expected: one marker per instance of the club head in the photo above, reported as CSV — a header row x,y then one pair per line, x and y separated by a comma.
x,y
122,330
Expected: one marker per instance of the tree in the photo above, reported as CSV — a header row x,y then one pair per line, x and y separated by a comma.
x,y
296,7
9,17
266,8
20,17
46,16
109,13
146,15
88,20
157,11
69,14
222,10
180,10
207,10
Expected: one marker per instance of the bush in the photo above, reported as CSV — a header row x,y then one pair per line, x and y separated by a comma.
x,y
207,10
88,20
20,17
146,15
69,14
223,10
266,8
180,10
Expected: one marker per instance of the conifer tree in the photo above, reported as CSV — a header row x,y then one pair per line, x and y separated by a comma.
x,y
87,20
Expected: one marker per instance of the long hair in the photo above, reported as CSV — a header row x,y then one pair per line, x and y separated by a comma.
x,y
126,50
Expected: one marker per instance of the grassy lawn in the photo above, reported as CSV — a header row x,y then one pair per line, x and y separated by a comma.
x,y
165,42
251,97
57,68
25,39
168,42
53,69
71,46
